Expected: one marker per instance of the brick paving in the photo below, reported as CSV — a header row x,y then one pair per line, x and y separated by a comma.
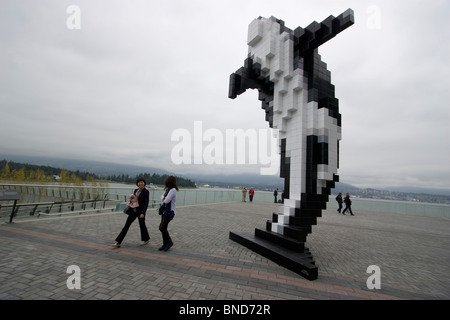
x,y
411,252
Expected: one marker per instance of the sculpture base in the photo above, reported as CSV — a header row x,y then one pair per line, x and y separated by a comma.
x,y
301,263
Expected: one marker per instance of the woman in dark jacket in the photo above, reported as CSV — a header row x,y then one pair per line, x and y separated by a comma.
x,y
143,199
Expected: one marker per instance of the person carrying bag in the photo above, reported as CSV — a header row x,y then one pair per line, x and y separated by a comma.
x,y
162,207
138,212
169,199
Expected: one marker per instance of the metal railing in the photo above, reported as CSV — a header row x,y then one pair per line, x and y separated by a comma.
x,y
34,193
57,200
57,208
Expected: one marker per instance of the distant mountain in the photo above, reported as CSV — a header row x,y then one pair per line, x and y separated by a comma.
x,y
249,180
239,180
98,168
104,169
408,189
440,196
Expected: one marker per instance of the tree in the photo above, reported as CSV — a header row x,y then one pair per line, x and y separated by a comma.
x,y
5,172
64,176
18,175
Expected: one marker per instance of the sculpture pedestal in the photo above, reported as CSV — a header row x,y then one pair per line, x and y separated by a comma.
x,y
270,245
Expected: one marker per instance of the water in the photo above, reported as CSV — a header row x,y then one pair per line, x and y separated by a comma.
x,y
185,197
406,207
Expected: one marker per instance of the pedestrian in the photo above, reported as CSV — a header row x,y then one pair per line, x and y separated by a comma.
x,y
244,194
169,198
143,198
251,193
339,201
275,195
283,196
348,204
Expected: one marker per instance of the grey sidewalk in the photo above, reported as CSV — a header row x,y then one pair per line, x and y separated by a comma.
x,y
411,251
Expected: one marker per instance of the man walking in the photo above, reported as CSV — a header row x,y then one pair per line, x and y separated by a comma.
x,y
348,204
339,201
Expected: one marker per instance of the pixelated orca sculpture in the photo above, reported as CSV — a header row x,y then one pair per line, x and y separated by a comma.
x,y
297,95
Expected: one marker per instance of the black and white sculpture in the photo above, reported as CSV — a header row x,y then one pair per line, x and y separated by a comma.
x,y
297,95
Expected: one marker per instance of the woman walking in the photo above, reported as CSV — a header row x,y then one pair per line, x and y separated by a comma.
x,y
169,198
143,197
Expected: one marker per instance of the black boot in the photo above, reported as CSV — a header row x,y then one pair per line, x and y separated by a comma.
x,y
163,246
169,244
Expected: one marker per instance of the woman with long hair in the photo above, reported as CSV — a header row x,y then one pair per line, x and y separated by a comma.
x,y
169,198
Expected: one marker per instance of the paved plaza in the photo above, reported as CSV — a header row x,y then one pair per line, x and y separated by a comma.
x,y
411,253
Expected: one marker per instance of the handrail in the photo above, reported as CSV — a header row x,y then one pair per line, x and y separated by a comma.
x,y
68,186
48,206
58,195
29,204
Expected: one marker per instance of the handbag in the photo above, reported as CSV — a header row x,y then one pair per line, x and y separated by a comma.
x,y
161,209
168,215
127,210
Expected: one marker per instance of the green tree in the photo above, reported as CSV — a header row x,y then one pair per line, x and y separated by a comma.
x,y
64,176
40,176
18,175
5,173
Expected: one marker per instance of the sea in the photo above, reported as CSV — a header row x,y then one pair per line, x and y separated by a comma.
x,y
120,192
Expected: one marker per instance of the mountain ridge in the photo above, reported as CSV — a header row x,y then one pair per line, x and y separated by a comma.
x,y
222,180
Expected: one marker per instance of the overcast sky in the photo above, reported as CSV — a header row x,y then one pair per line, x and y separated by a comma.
x,y
116,81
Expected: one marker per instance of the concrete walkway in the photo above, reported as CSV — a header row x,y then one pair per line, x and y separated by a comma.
x,y
412,253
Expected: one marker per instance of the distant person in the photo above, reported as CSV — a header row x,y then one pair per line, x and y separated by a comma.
x,y
251,193
282,196
244,194
348,204
142,195
169,198
339,201
275,195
